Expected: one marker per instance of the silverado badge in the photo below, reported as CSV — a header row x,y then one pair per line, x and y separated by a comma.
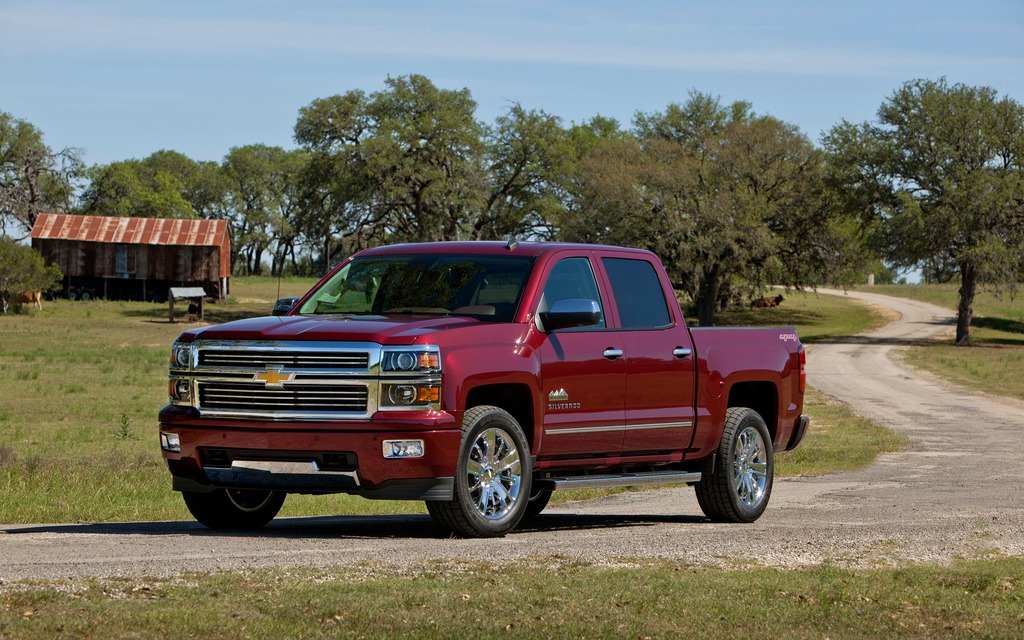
x,y
558,400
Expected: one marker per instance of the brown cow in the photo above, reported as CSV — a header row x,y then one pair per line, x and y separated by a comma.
x,y
34,298
769,303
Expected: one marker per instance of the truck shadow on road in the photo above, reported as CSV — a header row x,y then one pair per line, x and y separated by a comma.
x,y
412,526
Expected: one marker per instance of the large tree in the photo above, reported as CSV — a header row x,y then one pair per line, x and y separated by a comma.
x,y
530,158
333,215
728,199
263,196
167,184
402,164
33,178
940,177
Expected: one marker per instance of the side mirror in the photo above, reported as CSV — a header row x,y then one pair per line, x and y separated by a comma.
x,y
571,312
283,306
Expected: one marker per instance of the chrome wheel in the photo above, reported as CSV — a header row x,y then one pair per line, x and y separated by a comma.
x,y
738,487
492,480
494,472
750,467
249,500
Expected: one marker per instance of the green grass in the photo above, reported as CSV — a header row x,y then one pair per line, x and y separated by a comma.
x,y
547,597
994,363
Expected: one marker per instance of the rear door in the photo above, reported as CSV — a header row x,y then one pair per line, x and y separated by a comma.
x,y
658,353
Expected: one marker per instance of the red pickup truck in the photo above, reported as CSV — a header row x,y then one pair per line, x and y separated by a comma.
x,y
479,377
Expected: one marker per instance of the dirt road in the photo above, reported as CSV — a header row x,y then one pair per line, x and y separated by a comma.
x,y
954,492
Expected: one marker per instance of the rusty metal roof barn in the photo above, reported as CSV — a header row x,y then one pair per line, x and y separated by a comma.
x,y
135,257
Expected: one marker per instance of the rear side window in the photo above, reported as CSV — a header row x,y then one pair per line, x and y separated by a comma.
x,y
638,293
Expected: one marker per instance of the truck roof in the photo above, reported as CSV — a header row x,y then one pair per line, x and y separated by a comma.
x,y
488,247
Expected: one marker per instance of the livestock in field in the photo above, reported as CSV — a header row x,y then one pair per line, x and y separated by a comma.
x,y
769,303
35,298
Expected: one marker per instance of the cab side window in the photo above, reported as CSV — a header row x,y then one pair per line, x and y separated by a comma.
x,y
638,293
572,279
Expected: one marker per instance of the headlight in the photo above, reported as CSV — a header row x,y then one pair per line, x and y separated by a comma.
x,y
410,360
181,356
410,394
410,378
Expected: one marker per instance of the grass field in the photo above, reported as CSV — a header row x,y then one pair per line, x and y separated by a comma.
x,y
553,597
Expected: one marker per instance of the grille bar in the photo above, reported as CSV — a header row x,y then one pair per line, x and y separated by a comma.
x,y
232,358
235,396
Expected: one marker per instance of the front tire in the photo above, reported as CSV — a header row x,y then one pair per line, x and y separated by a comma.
x,y
739,487
538,500
238,509
493,478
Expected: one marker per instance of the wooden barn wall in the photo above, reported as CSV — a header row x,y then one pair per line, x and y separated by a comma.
x,y
147,262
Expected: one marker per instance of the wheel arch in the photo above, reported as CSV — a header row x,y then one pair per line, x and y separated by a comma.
x,y
513,397
762,397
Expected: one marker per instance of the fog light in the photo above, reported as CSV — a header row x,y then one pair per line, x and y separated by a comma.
x,y
170,442
403,449
180,390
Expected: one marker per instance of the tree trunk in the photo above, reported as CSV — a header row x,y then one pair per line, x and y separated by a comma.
x,y
965,310
707,300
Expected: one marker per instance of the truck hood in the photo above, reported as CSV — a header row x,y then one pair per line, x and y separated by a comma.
x,y
398,329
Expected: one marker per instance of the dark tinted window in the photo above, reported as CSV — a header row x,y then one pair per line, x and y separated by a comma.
x,y
638,293
572,279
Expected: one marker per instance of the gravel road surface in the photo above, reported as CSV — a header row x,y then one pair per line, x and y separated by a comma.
x,y
954,492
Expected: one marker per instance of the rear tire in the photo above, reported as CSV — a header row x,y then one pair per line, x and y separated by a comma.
x,y
238,509
739,487
493,478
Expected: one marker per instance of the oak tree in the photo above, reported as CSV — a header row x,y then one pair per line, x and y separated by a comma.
x,y
33,178
940,180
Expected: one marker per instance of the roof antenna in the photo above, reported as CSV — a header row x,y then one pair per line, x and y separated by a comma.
x,y
511,244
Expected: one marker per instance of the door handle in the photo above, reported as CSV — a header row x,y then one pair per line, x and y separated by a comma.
x,y
612,354
682,352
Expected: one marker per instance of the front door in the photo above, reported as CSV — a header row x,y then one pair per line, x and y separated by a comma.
x,y
582,372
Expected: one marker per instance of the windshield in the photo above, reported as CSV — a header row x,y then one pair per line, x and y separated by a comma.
x,y
483,286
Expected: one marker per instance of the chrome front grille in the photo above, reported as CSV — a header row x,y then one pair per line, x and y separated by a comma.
x,y
281,380
294,398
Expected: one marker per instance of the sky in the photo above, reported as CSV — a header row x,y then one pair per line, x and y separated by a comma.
x,y
122,79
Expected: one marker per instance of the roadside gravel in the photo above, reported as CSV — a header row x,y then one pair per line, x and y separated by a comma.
x,y
953,493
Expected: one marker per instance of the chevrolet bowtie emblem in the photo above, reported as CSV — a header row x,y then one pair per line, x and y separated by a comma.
x,y
274,377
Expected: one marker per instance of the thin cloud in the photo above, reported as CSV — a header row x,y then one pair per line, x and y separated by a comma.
x,y
78,30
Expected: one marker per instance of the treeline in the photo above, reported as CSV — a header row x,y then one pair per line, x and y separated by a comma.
x,y
730,199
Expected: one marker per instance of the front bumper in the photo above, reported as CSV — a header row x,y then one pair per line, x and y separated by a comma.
x,y
337,457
